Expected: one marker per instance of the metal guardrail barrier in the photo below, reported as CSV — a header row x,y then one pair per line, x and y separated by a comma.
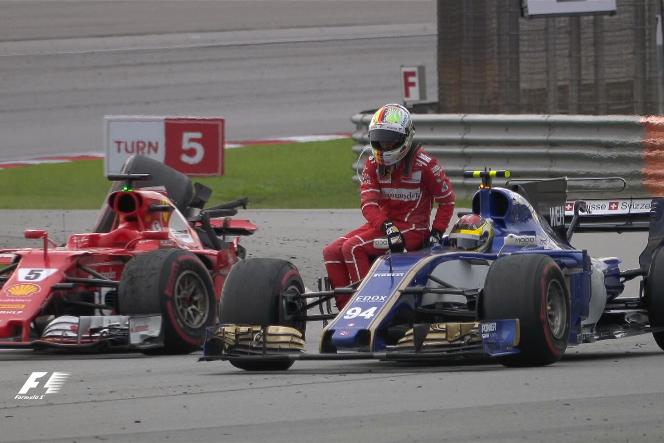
x,y
542,146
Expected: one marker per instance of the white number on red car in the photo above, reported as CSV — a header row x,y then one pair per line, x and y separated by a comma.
x,y
35,274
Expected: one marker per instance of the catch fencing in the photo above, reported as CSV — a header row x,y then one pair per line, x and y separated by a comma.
x,y
542,146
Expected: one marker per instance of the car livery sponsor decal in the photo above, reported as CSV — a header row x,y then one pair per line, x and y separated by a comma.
x,y
35,274
371,298
144,329
389,274
499,337
521,241
79,241
110,270
557,216
23,290
612,207
487,328
12,306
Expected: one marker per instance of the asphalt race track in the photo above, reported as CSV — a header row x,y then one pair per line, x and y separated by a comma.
x,y
607,391
271,68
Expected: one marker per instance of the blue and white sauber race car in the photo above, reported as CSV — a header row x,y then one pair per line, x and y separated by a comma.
x,y
523,301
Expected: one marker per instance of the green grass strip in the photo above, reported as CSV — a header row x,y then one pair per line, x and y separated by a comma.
x,y
299,175
315,175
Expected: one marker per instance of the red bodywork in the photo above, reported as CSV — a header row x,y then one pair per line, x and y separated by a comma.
x,y
37,283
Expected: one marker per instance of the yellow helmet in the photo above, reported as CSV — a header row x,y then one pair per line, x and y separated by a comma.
x,y
472,233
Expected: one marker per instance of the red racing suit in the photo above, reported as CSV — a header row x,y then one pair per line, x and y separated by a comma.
x,y
403,195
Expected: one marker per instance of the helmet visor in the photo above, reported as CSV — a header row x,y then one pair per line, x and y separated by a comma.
x,y
465,242
384,140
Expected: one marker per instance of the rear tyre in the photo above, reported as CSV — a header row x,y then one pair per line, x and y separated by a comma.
x,y
251,297
654,293
175,284
531,288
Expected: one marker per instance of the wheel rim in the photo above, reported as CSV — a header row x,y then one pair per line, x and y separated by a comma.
x,y
556,309
191,300
293,289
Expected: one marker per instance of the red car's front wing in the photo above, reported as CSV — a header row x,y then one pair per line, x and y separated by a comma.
x,y
92,333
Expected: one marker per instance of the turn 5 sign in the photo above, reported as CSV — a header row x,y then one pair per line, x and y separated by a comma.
x,y
192,145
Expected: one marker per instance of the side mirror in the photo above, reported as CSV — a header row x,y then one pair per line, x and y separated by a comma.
x,y
35,233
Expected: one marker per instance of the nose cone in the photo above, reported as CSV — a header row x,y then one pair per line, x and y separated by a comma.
x,y
18,304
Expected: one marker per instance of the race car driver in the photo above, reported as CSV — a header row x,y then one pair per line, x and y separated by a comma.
x,y
398,187
471,233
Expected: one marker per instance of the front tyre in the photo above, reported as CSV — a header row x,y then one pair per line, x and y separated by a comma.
x,y
175,284
251,296
532,288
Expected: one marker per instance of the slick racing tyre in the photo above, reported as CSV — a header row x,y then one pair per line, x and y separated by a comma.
x,y
531,288
654,293
175,284
251,297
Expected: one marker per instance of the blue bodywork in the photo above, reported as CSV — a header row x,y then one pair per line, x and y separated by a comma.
x,y
360,326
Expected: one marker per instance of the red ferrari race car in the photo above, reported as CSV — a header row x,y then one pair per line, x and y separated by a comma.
x,y
148,277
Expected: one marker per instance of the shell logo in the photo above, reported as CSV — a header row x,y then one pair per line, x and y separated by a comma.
x,y
11,306
23,290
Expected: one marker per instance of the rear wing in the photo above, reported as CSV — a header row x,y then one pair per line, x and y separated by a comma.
x,y
621,215
611,215
596,215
